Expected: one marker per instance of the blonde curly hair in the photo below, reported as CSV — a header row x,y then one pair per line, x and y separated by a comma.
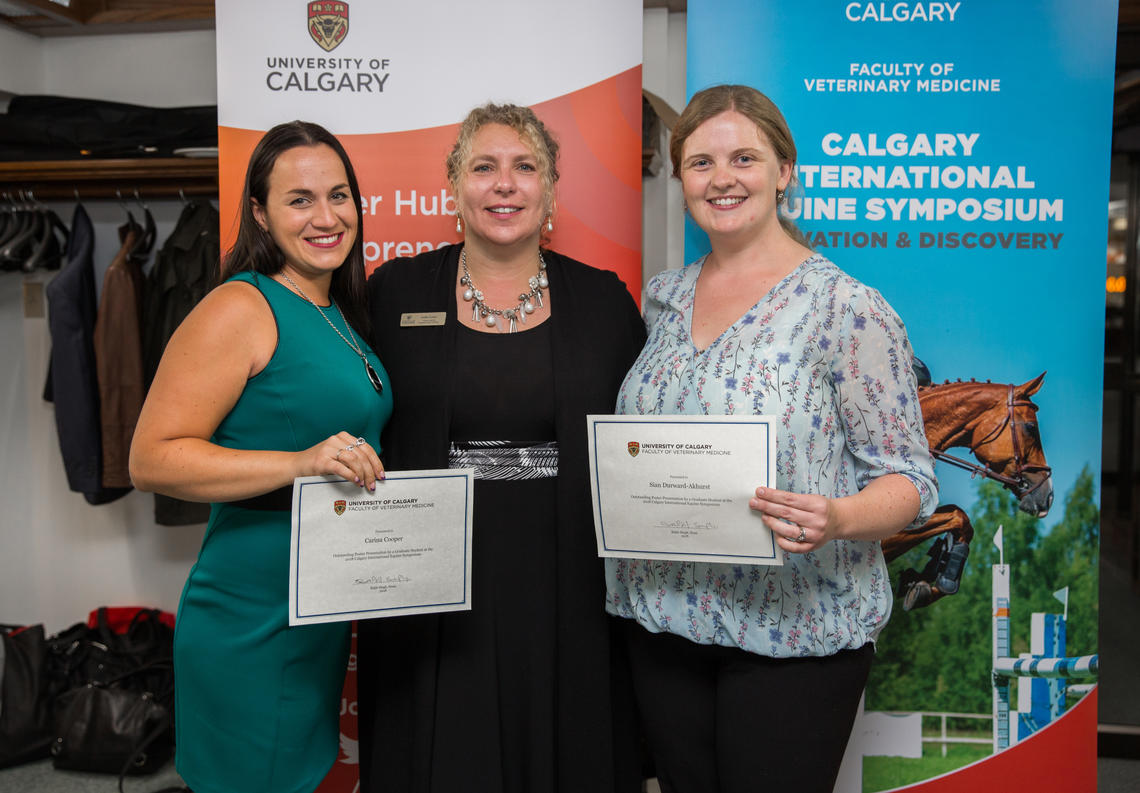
x,y
529,128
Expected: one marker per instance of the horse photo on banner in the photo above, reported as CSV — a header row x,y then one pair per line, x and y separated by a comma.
x,y
393,80
955,157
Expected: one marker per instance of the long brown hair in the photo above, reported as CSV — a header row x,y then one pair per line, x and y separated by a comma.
x,y
255,250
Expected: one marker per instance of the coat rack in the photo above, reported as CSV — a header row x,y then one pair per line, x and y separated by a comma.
x,y
164,177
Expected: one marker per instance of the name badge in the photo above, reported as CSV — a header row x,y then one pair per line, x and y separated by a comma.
x,y
420,319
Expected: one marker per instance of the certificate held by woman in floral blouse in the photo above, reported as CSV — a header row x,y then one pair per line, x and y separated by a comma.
x,y
677,487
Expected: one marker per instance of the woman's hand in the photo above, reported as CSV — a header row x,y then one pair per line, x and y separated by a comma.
x,y
800,522
343,455
803,522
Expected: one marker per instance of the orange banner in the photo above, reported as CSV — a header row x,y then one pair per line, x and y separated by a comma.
x,y
408,208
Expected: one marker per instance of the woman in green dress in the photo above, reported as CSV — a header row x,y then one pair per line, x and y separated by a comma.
x,y
269,378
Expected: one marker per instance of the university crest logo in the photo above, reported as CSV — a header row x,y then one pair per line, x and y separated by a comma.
x,y
328,23
633,447
339,506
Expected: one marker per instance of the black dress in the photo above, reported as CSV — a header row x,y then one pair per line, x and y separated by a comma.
x,y
495,720
529,692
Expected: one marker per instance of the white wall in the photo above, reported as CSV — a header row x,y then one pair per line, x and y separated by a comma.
x,y
21,62
156,69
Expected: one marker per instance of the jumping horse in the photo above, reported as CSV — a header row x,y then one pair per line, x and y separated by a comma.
x,y
998,424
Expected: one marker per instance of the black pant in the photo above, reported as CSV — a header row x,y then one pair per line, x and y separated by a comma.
x,y
722,719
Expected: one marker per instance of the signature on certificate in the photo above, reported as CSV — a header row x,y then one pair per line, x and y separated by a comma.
x,y
684,524
377,579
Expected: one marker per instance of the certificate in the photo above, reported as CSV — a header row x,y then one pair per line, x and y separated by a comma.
x,y
403,549
677,487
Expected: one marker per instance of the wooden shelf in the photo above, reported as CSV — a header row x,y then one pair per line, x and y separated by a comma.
x,y
164,177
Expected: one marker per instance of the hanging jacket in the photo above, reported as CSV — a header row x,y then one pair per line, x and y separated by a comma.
x,y
118,359
72,382
180,277
182,273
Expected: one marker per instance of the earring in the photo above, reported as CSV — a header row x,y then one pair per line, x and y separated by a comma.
x,y
780,196
550,223
458,223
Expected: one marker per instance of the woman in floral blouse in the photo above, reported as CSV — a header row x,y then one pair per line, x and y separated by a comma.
x,y
748,677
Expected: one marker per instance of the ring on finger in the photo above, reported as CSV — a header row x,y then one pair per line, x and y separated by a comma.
x,y
803,535
361,442
337,457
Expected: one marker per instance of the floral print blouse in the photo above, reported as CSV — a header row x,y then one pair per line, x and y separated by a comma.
x,y
829,358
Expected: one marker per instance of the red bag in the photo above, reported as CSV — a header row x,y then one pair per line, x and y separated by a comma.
x,y
119,618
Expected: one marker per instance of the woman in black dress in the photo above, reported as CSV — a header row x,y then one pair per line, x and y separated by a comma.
x,y
497,349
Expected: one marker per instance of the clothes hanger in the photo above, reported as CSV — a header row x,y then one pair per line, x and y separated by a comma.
x,y
18,247
17,219
132,224
145,242
47,251
7,216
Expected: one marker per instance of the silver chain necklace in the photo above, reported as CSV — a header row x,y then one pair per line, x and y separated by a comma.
x,y
373,377
481,312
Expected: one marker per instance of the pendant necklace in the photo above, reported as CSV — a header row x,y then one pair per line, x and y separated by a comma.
x,y
481,312
373,377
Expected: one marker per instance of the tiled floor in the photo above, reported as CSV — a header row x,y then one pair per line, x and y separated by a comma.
x,y
40,777
1117,776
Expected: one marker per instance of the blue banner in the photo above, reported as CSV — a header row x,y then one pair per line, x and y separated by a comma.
x,y
955,156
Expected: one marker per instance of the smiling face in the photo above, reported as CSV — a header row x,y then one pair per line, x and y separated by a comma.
x,y
309,211
501,191
729,176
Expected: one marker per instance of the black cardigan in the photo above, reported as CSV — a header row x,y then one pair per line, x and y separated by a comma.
x,y
597,333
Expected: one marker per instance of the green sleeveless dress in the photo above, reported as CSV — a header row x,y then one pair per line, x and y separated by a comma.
x,y
257,702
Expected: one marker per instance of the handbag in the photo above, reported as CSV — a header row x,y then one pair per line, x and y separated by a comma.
x,y
116,713
25,695
113,726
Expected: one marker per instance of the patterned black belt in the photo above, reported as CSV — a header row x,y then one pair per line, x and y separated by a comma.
x,y
503,460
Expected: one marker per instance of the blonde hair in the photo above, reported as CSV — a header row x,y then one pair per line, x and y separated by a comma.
x,y
530,129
